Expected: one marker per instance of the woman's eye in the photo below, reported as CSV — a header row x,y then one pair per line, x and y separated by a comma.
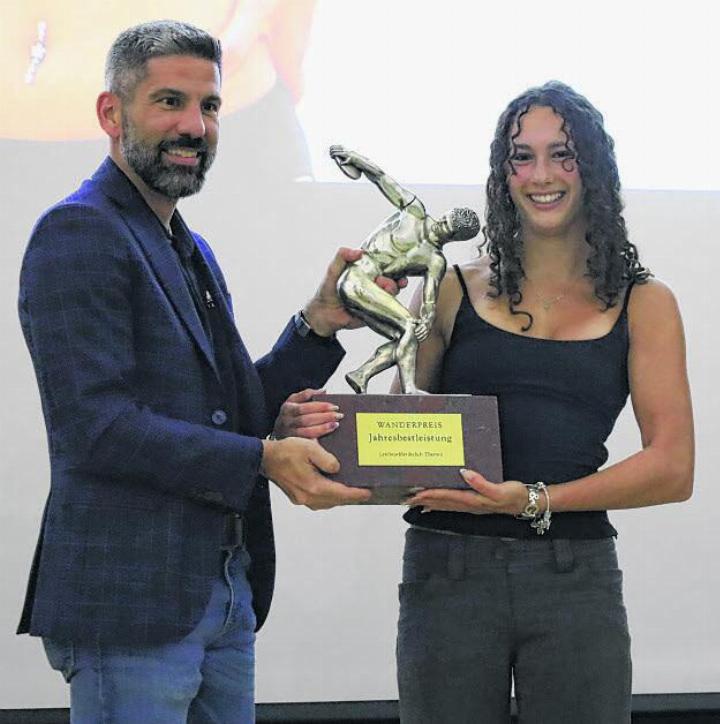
x,y
564,155
520,158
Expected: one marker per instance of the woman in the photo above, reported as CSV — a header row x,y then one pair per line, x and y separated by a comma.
x,y
560,321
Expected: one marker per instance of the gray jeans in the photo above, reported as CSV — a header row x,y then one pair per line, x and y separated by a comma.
x,y
477,613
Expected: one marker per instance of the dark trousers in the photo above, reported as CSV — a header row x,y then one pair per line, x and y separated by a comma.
x,y
477,613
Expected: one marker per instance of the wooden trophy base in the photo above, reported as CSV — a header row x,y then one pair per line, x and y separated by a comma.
x,y
396,444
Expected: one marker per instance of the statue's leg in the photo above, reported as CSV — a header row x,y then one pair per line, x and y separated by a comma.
x,y
381,311
383,358
384,314
406,354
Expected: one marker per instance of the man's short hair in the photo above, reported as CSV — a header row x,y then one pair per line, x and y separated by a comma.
x,y
127,59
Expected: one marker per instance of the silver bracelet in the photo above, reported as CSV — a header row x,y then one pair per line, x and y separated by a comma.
x,y
542,523
539,522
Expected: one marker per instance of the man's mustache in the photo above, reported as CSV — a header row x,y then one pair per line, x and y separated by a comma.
x,y
195,144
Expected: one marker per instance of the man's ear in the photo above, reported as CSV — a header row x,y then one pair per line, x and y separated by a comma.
x,y
109,113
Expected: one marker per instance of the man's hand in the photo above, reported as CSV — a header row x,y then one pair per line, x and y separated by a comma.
x,y
301,416
295,466
325,312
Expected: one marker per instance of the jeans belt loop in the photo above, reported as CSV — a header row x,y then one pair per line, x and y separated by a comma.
x,y
564,556
456,558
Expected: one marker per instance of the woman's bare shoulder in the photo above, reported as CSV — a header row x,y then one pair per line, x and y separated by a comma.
x,y
652,307
651,298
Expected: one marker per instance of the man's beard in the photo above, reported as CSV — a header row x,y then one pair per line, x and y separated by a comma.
x,y
173,181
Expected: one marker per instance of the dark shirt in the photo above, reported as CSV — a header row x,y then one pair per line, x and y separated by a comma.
x,y
188,258
557,403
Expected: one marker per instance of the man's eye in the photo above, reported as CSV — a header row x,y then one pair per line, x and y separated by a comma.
x,y
170,101
211,107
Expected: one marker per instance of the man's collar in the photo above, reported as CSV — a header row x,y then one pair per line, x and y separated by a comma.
x,y
116,184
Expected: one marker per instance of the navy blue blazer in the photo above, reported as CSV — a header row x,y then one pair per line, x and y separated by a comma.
x,y
144,467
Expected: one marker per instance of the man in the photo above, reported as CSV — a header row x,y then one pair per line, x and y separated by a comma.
x,y
407,243
155,561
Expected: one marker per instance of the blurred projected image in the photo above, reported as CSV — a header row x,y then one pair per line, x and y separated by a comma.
x,y
420,85
300,75
53,54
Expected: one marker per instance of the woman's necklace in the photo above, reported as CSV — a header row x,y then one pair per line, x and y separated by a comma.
x,y
548,302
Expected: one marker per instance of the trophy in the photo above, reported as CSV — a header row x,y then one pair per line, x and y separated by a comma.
x,y
397,444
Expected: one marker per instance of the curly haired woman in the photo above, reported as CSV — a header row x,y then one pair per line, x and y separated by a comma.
x,y
518,581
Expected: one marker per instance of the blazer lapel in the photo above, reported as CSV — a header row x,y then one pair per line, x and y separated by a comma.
x,y
251,399
146,228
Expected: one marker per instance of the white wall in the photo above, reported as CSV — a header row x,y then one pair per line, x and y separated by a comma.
x,y
330,635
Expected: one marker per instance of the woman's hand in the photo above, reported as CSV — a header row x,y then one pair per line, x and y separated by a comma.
x,y
299,416
509,497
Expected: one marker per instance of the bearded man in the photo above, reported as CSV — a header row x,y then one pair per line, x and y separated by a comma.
x,y
155,561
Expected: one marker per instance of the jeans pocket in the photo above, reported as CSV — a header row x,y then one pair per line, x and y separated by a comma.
x,y
61,657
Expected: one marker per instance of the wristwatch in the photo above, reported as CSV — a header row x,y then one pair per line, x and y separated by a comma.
x,y
302,326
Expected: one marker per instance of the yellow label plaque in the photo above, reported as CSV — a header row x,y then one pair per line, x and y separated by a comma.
x,y
417,439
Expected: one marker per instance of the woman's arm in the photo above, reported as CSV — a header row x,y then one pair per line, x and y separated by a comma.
x,y
662,472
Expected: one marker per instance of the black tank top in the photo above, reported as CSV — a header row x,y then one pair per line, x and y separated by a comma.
x,y
557,402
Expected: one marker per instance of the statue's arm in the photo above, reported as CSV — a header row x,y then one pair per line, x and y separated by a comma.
x,y
354,165
433,277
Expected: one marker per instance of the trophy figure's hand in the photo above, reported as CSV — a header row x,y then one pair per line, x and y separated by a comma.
x,y
422,330
424,323
344,159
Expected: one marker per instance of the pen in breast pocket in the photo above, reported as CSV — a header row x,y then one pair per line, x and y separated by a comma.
x,y
209,301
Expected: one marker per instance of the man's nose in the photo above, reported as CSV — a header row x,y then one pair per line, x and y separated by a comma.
x,y
192,123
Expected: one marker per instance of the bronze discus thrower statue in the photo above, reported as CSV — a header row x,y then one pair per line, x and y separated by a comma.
x,y
407,243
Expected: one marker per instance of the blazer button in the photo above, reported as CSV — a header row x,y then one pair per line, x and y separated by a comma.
x,y
219,417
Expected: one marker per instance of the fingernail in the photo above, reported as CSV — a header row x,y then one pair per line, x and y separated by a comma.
x,y
334,408
425,510
464,472
339,415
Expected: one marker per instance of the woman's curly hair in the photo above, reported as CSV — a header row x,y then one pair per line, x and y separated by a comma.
x,y
613,261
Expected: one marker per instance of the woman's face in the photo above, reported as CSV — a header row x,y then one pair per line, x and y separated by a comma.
x,y
543,176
